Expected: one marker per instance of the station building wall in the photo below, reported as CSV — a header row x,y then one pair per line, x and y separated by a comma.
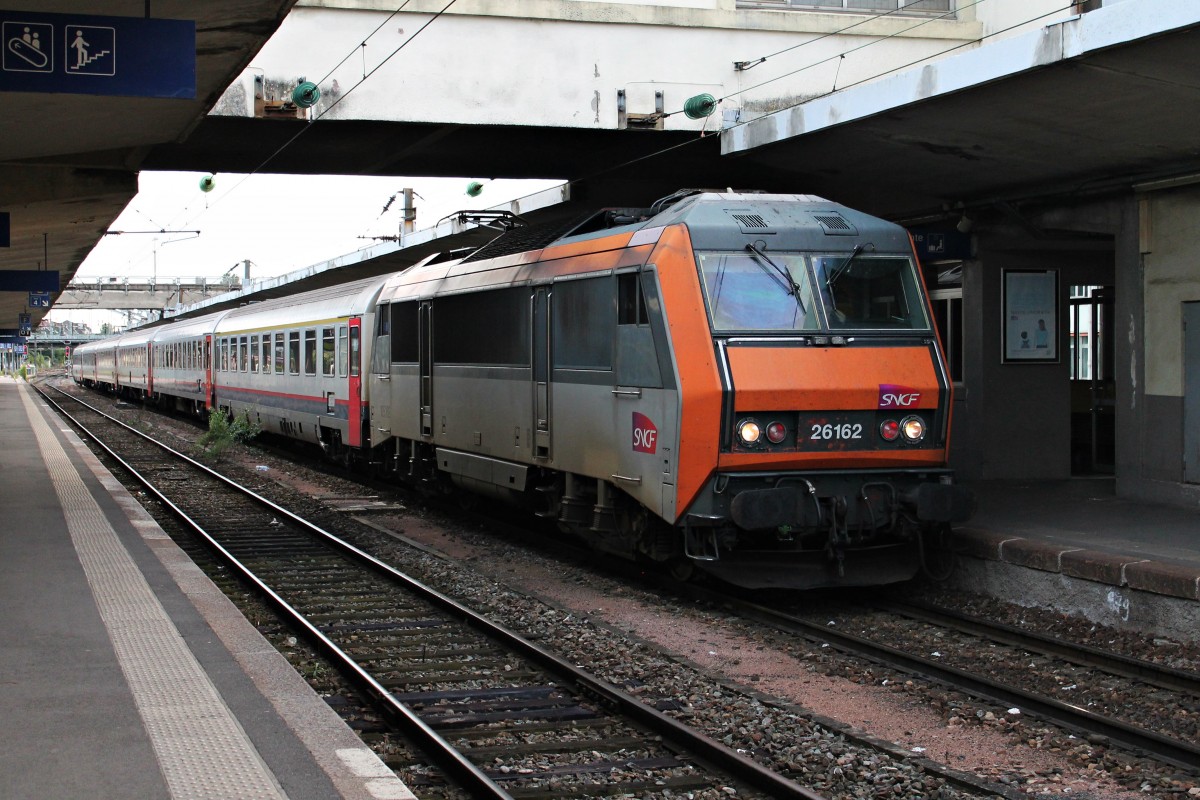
x,y
1167,252
1012,421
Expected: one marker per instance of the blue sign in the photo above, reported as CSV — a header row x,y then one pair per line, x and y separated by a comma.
x,y
28,280
941,245
39,299
84,54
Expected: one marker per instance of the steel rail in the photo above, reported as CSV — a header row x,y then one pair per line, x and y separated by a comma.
x,y
470,777
1163,748
696,743
1176,680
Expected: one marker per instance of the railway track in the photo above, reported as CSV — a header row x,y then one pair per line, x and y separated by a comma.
x,y
501,716
1143,707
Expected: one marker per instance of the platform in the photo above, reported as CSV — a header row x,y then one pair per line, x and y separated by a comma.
x,y
124,672
1076,547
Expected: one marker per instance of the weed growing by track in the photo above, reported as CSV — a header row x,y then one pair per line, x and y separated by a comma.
x,y
223,433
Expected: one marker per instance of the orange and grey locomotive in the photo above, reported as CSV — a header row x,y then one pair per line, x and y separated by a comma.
x,y
746,384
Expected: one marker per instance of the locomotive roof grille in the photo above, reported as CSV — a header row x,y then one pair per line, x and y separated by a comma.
x,y
754,222
835,224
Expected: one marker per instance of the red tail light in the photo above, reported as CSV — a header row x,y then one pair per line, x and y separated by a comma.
x,y
776,432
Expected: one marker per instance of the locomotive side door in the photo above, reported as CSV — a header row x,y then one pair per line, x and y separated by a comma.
x,y
425,365
541,373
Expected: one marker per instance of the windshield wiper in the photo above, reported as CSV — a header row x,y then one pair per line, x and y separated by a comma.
x,y
791,287
845,265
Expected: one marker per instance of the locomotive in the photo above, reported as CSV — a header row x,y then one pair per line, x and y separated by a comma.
x,y
748,385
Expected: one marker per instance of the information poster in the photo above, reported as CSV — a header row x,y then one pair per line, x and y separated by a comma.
x,y
1030,315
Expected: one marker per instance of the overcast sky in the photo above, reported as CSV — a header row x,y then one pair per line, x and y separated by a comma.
x,y
279,222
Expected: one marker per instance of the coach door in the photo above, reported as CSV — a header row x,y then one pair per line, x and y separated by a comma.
x,y
208,372
425,365
541,373
354,415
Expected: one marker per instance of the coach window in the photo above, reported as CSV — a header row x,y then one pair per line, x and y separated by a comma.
x,y
279,354
255,351
310,352
328,354
294,352
265,356
223,356
354,351
343,356
244,360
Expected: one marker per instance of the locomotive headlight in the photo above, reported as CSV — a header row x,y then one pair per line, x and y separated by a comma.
x,y
890,430
749,432
776,431
913,428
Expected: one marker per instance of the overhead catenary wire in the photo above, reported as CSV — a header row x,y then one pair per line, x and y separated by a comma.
x,y
344,95
839,56
362,45
869,78
892,69
333,104
742,66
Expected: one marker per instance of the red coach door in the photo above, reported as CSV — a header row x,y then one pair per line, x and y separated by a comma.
x,y
354,421
208,370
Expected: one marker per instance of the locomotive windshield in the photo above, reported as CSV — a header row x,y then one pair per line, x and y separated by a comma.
x,y
771,291
870,292
753,290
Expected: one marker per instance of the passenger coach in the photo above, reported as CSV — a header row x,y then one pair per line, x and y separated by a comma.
x,y
294,364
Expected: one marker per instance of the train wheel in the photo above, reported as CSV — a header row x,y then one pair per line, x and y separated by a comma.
x,y
682,569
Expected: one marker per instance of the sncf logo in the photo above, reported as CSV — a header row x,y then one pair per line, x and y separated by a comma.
x,y
645,435
897,396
